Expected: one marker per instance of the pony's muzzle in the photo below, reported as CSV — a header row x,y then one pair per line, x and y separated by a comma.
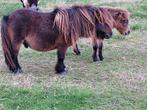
x,y
126,33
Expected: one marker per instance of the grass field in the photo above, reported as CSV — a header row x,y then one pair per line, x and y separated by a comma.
x,y
117,83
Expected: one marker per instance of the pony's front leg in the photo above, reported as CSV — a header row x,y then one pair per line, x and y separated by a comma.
x,y
60,67
95,49
100,47
94,55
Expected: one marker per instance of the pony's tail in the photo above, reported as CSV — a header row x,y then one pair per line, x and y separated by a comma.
x,y
7,45
62,22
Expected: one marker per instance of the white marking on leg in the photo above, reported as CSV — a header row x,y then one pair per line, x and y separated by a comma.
x,y
26,3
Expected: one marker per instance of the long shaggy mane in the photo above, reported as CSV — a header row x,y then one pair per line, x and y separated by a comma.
x,y
80,20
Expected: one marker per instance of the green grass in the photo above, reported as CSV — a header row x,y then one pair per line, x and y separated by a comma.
x,y
140,11
6,8
117,83
38,99
69,98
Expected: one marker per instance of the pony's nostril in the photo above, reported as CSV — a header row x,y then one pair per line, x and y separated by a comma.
x,y
127,33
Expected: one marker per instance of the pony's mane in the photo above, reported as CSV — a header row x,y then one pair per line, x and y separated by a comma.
x,y
62,21
78,20
107,17
100,14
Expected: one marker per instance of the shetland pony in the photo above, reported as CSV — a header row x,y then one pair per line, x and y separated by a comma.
x,y
33,4
58,29
121,24
100,29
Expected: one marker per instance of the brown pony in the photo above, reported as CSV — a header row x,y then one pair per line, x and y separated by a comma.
x,y
58,29
120,22
32,4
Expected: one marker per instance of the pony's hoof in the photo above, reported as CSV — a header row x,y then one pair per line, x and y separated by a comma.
x,y
101,58
77,52
95,59
62,72
18,71
60,69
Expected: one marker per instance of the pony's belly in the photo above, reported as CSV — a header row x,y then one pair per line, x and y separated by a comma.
x,y
40,45
39,48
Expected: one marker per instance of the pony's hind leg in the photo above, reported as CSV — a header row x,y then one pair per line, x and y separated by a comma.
x,y
18,68
11,45
25,44
12,60
60,67
16,48
76,49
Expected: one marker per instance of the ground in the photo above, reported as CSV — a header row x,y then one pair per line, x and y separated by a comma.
x,y
117,83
